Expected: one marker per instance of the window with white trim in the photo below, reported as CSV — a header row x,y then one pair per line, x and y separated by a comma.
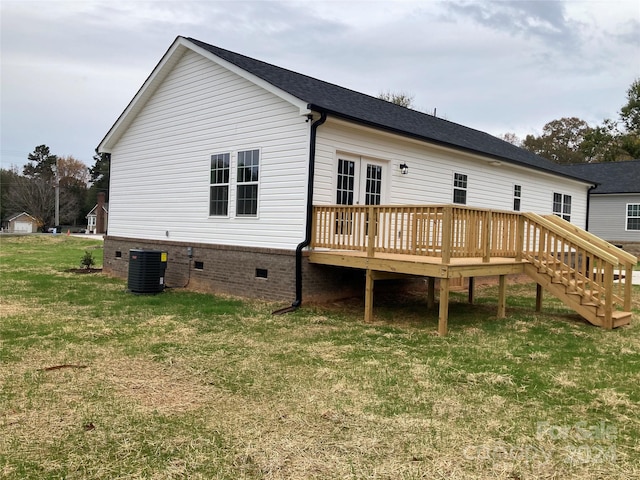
x,y
219,185
633,216
247,183
517,197
346,182
460,188
562,206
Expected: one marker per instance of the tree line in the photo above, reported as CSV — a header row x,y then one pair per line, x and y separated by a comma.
x,y
33,189
572,140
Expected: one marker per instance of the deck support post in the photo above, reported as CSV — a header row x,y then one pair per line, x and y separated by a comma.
x,y
608,297
472,286
431,292
539,296
368,297
628,282
443,316
502,296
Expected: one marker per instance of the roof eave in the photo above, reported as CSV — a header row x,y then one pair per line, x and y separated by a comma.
x,y
424,138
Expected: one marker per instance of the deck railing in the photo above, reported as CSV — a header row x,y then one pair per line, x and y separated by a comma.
x,y
580,260
443,231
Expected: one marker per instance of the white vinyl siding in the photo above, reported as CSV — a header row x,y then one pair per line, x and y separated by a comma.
x,y
431,170
161,166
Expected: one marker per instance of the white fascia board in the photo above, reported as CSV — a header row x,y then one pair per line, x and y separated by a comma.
x,y
168,61
295,101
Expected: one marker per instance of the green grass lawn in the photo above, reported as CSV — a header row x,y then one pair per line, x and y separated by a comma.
x,y
188,385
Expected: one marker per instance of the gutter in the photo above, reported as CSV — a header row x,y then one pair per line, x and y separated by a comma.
x,y
309,220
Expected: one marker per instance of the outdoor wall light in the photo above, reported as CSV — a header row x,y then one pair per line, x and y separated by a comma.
x,y
404,168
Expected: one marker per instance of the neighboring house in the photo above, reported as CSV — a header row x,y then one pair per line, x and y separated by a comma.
x,y
614,205
219,158
93,217
21,223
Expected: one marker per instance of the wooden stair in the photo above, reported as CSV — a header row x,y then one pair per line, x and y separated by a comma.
x,y
588,274
580,301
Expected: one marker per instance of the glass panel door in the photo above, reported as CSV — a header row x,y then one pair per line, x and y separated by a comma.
x,y
373,184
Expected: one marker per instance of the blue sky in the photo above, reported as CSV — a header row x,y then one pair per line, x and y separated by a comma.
x,y
69,68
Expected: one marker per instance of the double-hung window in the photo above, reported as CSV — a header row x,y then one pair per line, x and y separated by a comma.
x,y
219,185
247,183
562,206
517,197
460,188
633,216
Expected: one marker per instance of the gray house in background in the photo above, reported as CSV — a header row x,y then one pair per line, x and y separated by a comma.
x,y
614,205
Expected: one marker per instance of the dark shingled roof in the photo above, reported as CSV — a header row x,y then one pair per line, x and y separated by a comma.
x,y
368,110
612,177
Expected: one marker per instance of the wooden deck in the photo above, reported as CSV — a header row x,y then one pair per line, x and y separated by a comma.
x,y
418,264
449,242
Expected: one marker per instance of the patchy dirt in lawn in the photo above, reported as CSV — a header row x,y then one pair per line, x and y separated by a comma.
x,y
84,270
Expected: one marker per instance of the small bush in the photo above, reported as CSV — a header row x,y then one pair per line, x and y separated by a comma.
x,y
87,261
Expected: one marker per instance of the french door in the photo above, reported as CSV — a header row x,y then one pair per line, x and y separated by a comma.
x,y
360,181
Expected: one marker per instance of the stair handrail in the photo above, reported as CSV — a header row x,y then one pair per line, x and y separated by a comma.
x,y
578,240
623,257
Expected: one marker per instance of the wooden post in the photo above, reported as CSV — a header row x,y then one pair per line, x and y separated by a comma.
x,y
502,297
608,296
431,292
447,220
472,285
368,296
443,316
520,238
371,232
539,296
628,282
486,243
314,228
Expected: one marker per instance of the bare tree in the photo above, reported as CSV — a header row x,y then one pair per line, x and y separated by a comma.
x,y
399,98
35,196
511,138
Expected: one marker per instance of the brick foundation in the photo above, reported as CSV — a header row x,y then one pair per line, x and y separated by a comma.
x,y
247,272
